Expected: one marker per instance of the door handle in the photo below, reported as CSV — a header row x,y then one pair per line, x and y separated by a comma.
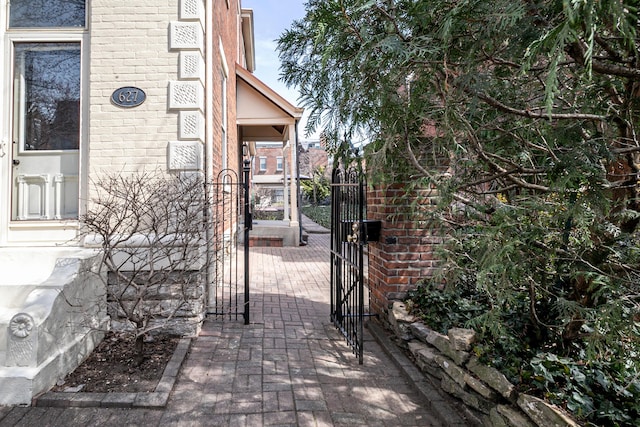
x,y
16,162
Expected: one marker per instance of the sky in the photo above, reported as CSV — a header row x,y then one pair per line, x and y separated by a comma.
x,y
270,19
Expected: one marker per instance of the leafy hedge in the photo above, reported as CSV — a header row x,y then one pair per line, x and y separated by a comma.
x,y
319,214
595,382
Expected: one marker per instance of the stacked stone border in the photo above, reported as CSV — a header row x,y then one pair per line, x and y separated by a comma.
x,y
181,300
407,253
156,399
446,361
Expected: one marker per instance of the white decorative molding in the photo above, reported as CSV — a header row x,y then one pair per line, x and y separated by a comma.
x,y
186,95
192,65
63,192
186,35
22,343
192,125
33,196
185,155
21,325
192,10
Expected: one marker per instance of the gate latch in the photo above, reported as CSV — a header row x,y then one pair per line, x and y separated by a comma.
x,y
361,232
353,238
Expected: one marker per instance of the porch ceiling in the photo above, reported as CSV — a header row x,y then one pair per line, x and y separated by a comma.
x,y
261,112
265,133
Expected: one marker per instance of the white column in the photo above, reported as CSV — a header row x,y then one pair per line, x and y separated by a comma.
x,y
285,171
294,175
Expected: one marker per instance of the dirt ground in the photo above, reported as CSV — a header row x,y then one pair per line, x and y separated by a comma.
x,y
112,366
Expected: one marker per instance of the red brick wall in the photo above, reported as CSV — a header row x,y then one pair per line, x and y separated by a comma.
x,y
405,252
272,154
225,28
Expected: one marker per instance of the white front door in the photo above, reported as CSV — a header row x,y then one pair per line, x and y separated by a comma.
x,y
42,132
46,131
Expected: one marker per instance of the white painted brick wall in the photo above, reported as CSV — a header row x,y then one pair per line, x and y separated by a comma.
x,y
129,46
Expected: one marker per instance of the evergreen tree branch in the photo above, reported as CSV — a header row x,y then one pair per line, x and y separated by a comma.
x,y
534,115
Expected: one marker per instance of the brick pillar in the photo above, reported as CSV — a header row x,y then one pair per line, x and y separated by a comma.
x,y
405,252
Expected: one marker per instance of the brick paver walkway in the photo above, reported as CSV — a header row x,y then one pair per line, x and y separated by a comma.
x,y
289,367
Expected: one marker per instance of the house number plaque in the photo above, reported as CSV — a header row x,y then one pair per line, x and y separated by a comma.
x,y
128,97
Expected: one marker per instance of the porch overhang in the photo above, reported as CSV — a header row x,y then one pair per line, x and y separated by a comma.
x,y
262,113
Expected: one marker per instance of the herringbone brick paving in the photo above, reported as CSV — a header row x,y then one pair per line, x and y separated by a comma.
x,y
288,367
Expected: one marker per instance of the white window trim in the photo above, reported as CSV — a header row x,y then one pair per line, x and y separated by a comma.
x,y
224,116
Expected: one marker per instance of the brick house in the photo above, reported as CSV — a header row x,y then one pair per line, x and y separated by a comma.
x,y
189,61
268,171
313,156
267,177
115,86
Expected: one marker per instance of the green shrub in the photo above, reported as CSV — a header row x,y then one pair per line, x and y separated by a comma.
x,y
596,383
318,214
603,390
268,214
317,189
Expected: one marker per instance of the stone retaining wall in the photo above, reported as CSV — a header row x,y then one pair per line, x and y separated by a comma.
x,y
447,361
176,307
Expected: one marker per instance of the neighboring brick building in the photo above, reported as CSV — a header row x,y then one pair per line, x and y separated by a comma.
x,y
313,157
267,176
269,169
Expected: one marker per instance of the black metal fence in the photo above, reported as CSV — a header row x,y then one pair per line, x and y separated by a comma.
x,y
349,303
230,225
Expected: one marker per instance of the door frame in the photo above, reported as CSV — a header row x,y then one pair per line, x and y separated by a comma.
x,y
38,232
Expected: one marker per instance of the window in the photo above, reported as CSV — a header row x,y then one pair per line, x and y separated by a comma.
x,y
47,13
279,164
47,95
224,118
47,75
224,129
263,164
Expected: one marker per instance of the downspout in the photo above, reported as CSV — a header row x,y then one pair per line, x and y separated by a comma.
x,y
208,146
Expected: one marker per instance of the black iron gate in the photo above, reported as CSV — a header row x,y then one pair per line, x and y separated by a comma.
x,y
228,292
349,304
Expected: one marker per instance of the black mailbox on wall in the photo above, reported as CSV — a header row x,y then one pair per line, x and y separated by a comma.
x,y
372,230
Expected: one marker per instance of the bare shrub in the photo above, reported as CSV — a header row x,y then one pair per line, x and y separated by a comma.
x,y
151,228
